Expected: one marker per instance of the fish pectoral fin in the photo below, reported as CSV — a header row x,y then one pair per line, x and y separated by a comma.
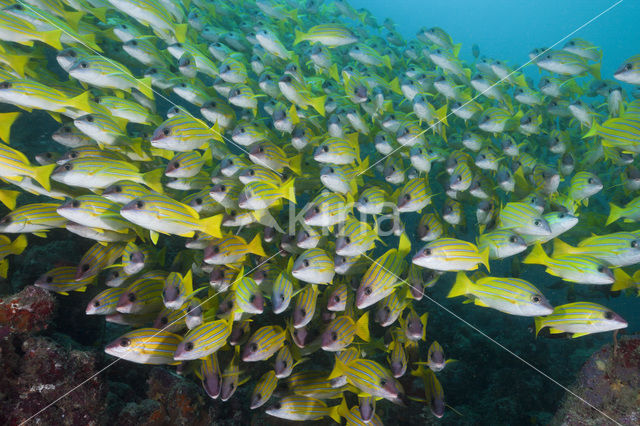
x,y
574,335
479,302
555,331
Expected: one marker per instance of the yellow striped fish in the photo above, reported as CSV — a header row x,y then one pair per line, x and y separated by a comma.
x,y
383,276
263,343
577,268
105,302
264,389
162,214
580,319
145,346
510,295
450,254
203,340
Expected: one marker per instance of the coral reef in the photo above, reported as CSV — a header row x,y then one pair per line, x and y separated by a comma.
x,y
610,381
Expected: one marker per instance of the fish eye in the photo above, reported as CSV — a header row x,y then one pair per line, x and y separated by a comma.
x,y
513,239
166,131
367,291
365,200
188,346
85,267
325,148
334,336
131,297
601,269
198,201
427,252
459,178
590,181
316,209
84,65
336,298
124,342
277,406
75,204
134,43
634,243
216,249
261,149
223,188
305,263
407,197
96,303
608,315
628,66
49,279
254,347
139,204
535,298
383,382
537,222
5,85
90,118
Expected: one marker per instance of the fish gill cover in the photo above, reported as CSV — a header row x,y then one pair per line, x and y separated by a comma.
x,y
276,193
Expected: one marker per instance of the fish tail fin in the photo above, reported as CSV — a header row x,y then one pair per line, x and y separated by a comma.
x,y
362,327
441,115
338,370
295,164
594,70
334,412
333,72
18,245
521,81
100,13
539,322
343,408
18,63
211,225
614,214
81,102
152,179
299,37
318,104
288,190
560,247
73,18
255,246
456,49
187,282
484,254
537,255
423,321
593,130
9,198
180,31
404,246
6,121
4,268
461,286
394,85
41,175
144,86
387,61
52,38
622,280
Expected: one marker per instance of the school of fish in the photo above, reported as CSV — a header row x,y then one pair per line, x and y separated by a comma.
x,y
236,163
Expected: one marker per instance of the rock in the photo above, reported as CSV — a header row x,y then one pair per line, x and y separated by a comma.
x,y
610,382
37,372
28,311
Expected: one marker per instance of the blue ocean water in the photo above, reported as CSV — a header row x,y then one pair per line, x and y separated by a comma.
x,y
508,30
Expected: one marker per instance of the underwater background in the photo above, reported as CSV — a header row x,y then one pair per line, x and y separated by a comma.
x,y
502,374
